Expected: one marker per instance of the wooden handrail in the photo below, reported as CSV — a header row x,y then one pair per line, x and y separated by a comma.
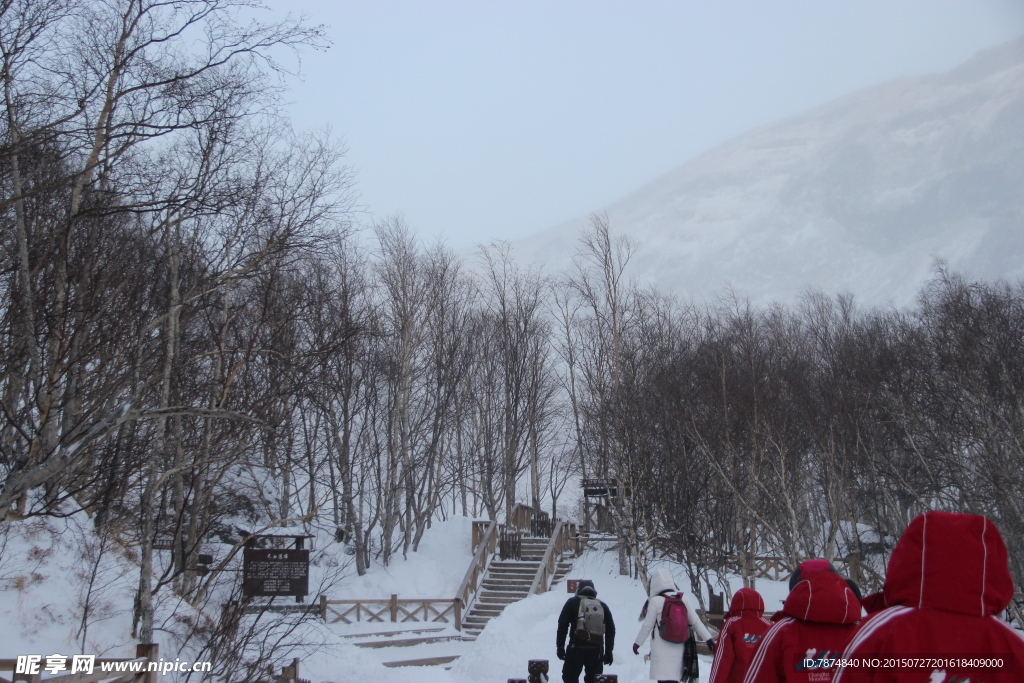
x,y
546,568
477,567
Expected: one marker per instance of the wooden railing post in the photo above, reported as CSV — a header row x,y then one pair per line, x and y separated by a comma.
x,y
323,607
458,614
150,652
394,607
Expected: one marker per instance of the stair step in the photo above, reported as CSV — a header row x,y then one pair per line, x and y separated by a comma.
x,y
475,619
426,661
494,596
408,642
496,602
379,634
481,610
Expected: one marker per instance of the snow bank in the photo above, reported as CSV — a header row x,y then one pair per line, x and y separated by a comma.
x,y
50,572
436,570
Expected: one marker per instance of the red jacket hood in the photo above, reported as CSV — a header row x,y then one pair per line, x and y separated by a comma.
x,y
745,600
822,596
950,561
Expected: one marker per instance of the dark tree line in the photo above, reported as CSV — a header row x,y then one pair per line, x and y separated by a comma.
x,y
815,430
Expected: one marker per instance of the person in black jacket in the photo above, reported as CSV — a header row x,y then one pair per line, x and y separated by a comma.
x,y
582,655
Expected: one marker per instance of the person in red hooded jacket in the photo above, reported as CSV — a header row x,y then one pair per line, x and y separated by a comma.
x,y
821,614
741,633
947,579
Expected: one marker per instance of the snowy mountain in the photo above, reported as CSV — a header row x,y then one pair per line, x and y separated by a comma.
x,y
859,195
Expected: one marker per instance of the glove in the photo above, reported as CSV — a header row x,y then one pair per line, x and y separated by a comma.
x,y
711,645
636,649
560,653
607,659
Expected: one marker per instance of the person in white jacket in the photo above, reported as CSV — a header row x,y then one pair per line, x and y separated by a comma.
x,y
666,657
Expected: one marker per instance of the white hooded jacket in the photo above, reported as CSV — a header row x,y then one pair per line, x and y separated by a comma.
x,y
666,657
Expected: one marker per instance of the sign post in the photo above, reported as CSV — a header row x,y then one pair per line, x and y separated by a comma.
x,y
275,572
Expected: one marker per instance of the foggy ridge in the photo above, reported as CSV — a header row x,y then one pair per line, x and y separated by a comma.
x,y
859,195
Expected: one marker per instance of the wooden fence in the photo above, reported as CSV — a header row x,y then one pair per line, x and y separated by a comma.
x,y
759,567
145,654
393,609
779,568
510,543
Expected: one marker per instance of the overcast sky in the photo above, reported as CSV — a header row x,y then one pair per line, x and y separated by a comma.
x,y
482,120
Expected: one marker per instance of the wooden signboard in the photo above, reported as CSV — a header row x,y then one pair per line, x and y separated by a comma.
x,y
275,572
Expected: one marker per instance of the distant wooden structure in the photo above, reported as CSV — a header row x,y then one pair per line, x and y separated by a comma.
x,y
597,497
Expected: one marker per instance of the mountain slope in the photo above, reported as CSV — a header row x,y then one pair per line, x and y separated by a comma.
x,y
859,195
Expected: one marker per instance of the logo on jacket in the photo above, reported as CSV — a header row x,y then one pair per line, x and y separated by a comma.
x,y
751,637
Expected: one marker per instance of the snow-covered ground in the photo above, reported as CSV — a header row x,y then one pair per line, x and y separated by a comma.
x,y
524,631
44,584
45,588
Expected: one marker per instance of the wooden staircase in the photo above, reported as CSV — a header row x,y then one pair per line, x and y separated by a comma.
x,y
493,581
508,581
